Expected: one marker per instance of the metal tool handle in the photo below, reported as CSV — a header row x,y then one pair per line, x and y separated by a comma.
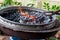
x,y
50,13
57,12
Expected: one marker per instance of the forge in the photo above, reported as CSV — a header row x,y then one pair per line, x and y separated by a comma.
x,y
28,23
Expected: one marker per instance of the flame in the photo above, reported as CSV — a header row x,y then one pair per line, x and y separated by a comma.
x,y
26,14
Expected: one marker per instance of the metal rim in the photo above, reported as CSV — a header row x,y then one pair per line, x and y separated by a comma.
x,y
15,7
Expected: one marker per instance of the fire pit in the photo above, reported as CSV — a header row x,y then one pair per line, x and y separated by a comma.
x,y
27,22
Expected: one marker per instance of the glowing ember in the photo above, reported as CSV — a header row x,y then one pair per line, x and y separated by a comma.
x,y
26,14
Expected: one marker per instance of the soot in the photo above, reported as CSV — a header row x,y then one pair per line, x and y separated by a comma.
x,y
15,15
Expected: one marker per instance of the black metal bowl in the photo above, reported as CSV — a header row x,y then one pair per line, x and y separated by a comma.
x,y
27,26
24,8
27,31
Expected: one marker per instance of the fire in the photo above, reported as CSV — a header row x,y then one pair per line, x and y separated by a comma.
x,y
26,14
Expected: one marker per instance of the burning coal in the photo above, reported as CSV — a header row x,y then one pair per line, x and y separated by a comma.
x,y
33,17
26,17
26,14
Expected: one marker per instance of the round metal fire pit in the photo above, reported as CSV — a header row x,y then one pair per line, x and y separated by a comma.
x,y
27,31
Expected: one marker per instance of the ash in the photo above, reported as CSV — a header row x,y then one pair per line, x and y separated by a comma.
x,y
15,16
41,18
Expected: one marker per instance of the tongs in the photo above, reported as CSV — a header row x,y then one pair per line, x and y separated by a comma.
x,y
50,13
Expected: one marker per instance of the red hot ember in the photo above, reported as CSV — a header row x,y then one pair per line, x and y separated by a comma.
x,y
26,14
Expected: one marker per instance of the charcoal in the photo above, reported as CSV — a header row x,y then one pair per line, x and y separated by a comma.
x,y
16,16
